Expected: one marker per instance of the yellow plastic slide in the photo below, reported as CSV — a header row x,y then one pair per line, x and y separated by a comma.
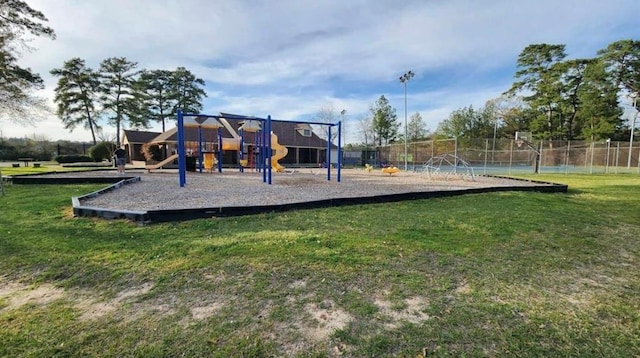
x,y
169,160
280,152
209,161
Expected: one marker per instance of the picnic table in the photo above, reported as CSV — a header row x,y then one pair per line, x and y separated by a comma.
x,y
26,161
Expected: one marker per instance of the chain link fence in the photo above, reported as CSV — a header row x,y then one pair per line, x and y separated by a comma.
x,y
505,156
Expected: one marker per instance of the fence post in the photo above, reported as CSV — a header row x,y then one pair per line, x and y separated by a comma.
x,y
566,161
486,150
510,155
455,154
617,155
591,163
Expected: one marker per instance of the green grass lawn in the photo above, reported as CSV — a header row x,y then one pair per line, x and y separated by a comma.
x,y
501,274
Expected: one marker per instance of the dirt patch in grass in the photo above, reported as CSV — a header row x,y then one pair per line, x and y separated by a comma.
x,y
326,319
203,312
410,310
93,308
17,295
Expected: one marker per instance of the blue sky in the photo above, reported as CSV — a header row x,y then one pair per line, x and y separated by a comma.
x,y
290,58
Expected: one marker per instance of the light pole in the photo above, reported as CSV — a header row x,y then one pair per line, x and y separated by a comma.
x,y
404,79
634,96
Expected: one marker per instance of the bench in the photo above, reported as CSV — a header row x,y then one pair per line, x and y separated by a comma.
x,y
36,165
15,165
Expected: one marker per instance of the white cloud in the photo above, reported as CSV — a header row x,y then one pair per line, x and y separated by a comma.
x,y
289,58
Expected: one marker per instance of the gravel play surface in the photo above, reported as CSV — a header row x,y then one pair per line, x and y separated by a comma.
x,y
161,190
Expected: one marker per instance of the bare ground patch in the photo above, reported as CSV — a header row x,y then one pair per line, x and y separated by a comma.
x,y
410,310
326,319
93,308
17,295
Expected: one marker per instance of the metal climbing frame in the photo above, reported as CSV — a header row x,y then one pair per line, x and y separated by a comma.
x,y
448,166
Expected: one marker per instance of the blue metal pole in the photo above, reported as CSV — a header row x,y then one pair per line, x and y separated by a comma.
x,y
329,153
240,155
258,156
339,149
270,149
263,153
200,157
181,151
219,151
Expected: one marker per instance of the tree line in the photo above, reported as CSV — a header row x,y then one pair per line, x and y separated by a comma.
x,y
380,126
123,95
556,98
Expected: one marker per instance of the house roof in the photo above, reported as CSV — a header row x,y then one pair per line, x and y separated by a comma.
x,y
135,136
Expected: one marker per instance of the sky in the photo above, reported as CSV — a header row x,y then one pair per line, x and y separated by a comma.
x,y
292,58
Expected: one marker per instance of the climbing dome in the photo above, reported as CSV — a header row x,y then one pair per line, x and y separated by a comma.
x,y
448,166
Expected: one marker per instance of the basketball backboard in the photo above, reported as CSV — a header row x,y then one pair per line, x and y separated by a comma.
x,y
523,136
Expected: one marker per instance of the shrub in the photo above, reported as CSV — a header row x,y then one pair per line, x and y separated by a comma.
x,y
102,151
73,158
151,151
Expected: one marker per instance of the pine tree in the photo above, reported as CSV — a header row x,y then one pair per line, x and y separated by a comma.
x,y
187,91
385,121
117,77
76,95
17,84
155,95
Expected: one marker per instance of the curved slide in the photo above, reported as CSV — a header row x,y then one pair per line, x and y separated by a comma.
x,y
169,160
280,152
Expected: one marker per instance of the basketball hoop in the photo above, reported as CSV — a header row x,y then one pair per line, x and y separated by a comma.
x,y
522,138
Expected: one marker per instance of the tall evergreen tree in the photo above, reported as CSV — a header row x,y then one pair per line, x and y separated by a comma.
x,y
117,77
539,82
622,61
17,84
76,95
599,114
572,78
155,94
188,91
385,121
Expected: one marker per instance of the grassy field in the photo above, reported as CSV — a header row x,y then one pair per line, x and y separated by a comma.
x,y
502,274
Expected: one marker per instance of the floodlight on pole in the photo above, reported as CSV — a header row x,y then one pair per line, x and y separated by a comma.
x,y
634,97
404,79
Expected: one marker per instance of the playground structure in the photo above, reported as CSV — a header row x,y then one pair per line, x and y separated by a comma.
x,y
448,166
269,151
210,156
